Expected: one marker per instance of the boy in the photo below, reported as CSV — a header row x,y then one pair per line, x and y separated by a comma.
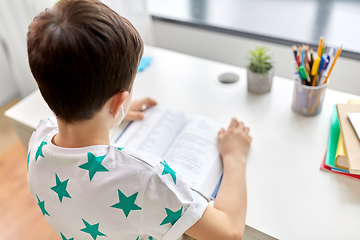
x,y
84,58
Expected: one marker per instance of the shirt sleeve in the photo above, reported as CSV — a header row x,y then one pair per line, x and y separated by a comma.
x,y
171,207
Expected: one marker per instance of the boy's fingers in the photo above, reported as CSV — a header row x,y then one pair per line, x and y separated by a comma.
x,y
221,133
149,102
142,104
246,130
234,123
134,115
241,125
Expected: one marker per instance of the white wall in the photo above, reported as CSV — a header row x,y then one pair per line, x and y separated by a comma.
x,y
8,88
136,12
16,15
233,50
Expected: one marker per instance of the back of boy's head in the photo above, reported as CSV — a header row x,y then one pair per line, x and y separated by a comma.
x,y
82,53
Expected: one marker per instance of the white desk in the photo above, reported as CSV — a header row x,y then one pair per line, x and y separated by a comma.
x,y
288,196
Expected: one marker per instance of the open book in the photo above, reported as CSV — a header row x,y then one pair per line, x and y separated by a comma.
x,y
189,146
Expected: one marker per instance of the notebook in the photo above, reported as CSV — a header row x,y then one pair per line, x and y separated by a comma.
x,y
351,141
333,140
328,169
341,160
355,122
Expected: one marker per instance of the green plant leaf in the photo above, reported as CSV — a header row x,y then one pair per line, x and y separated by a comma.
x,y
260,59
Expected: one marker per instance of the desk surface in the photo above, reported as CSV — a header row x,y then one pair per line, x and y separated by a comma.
x,y
288,196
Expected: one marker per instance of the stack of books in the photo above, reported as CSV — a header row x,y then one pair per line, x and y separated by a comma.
x,y
343,150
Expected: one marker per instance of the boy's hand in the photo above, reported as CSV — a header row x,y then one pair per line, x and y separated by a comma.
x,y
226,220
235,141
134,112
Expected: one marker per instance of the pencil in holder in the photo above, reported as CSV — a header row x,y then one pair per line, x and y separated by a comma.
x,y
308,100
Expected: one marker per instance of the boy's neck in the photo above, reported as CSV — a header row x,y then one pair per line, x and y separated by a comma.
x,y
81,134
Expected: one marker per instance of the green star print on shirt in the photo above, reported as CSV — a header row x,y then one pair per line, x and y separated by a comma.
x,y
127,204
94,165
60,188
93,230
64,238
150,238
168,170
171,217
42,206
28,160
39,152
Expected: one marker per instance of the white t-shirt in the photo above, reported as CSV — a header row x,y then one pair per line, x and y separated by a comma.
x,y
104,192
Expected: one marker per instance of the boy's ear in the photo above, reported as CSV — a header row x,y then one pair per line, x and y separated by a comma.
x,y
116,101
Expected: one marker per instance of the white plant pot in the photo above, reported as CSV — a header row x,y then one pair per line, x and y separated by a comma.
x,y
260,83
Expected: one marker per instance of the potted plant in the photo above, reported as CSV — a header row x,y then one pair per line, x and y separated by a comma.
x,y
260,72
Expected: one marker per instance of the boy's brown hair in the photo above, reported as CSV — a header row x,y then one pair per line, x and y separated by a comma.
x,y
82,53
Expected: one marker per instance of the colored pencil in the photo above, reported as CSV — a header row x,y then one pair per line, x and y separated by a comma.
x,y
319,52
332,66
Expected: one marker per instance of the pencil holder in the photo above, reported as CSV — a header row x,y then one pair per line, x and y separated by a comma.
x,y
308,100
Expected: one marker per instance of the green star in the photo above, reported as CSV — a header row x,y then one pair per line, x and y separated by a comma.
x,y
94,165
60,188
28,160
168,170
64,238
92,230
120,148
127,204
150,238
39,150
171,217
42,207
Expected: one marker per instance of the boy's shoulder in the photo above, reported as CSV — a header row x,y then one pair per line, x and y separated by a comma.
x,y
44,127
152,167
144,157
47,128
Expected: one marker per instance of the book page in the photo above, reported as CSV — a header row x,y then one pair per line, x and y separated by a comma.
x,y
194,155
155,133
355,121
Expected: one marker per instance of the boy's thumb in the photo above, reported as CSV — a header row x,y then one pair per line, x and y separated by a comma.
x,y
221,132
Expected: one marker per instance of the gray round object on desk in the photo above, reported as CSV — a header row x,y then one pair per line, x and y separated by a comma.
x,y
228,78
